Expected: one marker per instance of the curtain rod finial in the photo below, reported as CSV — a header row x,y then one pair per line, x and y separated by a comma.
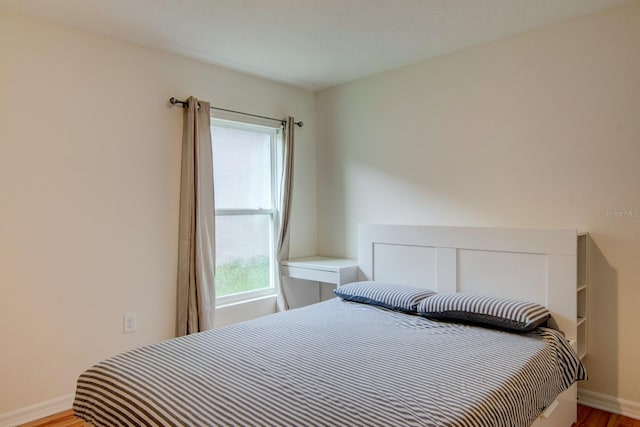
x,y
173,101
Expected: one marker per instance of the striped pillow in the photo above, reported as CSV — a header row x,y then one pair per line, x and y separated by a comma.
x,y
494,311
384,294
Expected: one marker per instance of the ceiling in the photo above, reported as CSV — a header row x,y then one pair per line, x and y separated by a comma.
x,y
308,43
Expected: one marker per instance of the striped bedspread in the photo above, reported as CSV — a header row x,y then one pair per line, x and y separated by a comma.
x,y
335,363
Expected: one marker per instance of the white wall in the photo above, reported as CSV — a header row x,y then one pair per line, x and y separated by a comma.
x,y
89,187
540,130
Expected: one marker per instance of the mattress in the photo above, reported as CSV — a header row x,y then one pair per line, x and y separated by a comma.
x,y
334,363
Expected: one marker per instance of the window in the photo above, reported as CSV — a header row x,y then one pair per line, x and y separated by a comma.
x,y
244,180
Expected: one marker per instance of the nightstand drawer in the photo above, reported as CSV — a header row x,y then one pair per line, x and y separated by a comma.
x,y
337,271
309,274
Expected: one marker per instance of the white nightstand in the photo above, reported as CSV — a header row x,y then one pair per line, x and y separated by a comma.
x,y
337,271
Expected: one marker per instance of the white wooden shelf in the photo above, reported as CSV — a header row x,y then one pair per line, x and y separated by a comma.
x,y
337,271
582,293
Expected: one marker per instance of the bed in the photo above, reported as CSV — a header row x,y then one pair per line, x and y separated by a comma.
x,y
347,363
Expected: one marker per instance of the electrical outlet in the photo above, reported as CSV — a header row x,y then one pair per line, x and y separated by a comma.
x,y
129,324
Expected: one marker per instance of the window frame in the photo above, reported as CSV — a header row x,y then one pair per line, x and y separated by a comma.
x,y
274,140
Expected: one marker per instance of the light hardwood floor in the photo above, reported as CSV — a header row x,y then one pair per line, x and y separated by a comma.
x,y
587,417
590,417
62,419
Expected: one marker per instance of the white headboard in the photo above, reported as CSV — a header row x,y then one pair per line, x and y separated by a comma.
x,y
532,265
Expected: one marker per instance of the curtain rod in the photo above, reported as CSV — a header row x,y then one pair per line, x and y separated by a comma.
x,y
174,101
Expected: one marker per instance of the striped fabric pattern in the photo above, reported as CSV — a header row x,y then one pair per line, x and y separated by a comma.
x,y
501,312
384,294
336,363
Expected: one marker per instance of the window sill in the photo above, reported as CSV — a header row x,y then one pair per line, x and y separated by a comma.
x,y
236,302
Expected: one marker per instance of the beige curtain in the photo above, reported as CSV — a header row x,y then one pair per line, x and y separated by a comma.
x,y
196,252
284,208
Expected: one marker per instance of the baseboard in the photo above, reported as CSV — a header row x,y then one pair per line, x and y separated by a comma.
x,y
609,403
37,411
